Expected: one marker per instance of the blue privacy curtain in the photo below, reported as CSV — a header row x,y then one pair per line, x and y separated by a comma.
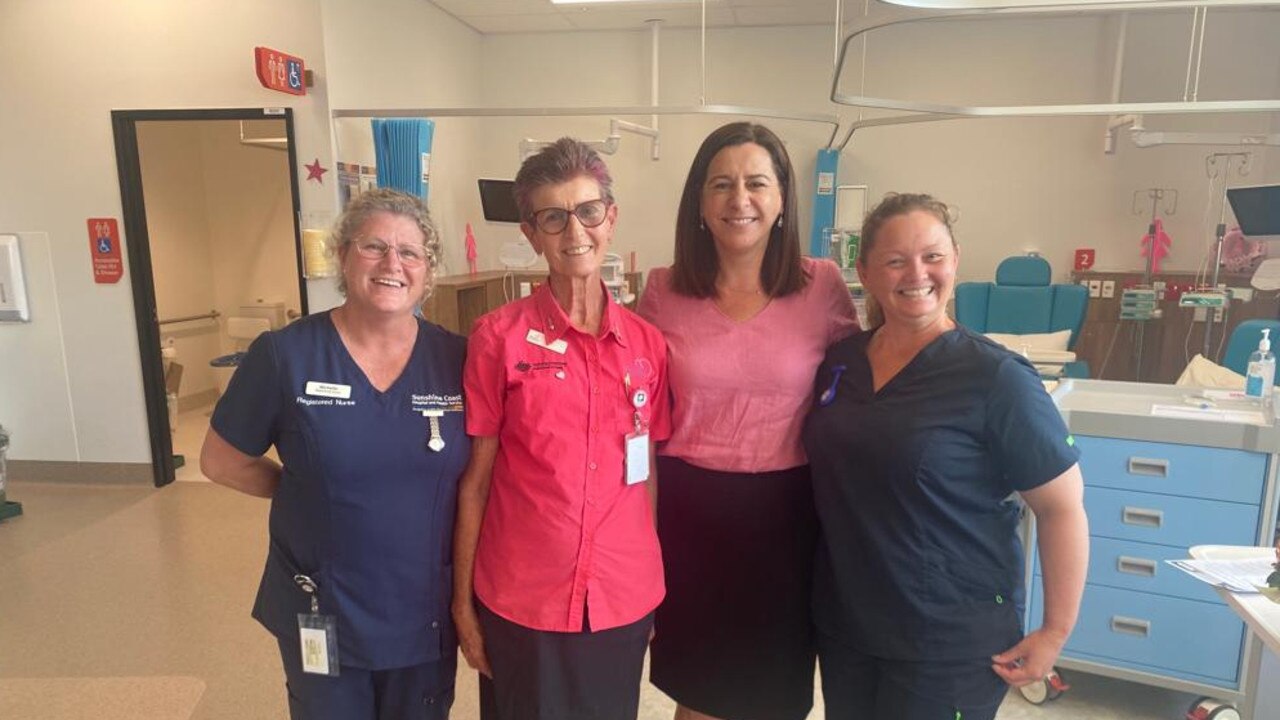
x,y
402,147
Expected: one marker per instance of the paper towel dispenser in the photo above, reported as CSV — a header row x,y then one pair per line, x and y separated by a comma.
x,y
13,289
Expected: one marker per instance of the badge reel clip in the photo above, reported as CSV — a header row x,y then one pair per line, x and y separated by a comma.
x,y
318,634
637,443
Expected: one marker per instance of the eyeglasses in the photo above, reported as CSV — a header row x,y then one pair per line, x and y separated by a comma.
x,y
375,249
554,220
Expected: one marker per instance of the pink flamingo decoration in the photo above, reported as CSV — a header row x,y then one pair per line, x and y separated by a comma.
x,y
471,250
1156,247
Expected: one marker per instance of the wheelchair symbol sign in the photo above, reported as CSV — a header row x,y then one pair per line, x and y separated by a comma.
x,y
104,246
295,74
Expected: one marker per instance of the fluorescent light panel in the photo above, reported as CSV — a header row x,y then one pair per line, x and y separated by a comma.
x,y
633,2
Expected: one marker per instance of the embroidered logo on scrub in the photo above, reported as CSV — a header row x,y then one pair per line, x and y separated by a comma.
x,y
433,406
525,366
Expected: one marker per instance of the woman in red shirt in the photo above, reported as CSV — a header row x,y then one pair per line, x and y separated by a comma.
x,y
557,567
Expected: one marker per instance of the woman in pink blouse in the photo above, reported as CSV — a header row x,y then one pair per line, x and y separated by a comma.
x,y
746,320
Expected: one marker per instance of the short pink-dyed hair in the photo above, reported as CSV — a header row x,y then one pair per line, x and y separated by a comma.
x,y
560,162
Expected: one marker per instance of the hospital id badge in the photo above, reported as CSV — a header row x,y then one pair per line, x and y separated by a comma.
x,y
319,640
637,452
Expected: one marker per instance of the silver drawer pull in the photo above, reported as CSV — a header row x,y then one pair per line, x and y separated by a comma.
x,y
1143,517
1136,566
1130,626
1148,466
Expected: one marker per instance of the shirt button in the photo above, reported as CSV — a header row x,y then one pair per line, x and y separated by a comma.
x,y
595,390
435,624
592,466
428,701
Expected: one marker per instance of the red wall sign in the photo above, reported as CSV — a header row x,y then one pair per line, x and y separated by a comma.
x,y
104,248
1084,258
280,71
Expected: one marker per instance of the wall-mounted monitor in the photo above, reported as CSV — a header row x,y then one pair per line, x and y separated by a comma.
x,y
498,201
1257,209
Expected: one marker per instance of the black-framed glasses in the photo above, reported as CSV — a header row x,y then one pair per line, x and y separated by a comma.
x,y
554,220
410,255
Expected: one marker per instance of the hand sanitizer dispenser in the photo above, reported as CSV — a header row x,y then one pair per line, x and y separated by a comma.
x,y
1261,373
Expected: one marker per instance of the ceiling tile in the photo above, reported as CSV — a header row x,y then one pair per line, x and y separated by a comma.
x,y
634,18
548,22
801,15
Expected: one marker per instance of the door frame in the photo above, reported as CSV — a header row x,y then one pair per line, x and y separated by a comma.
x,y
124,124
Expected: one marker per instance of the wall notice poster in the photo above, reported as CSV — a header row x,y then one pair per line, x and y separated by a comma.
x,y
104,248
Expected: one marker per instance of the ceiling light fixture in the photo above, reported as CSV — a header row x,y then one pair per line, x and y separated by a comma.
x,y
633,2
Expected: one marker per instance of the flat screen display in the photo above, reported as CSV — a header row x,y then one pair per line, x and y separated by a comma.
x,y
1257,209
498,202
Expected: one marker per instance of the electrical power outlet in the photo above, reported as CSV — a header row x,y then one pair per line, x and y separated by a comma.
x,y
1095,288
1218,314
1108,288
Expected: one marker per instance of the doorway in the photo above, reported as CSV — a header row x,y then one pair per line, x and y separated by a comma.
x,y
211,216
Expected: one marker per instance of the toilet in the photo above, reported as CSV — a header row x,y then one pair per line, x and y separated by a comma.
x,y
241,329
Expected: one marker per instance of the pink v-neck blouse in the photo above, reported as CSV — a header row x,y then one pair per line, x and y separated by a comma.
x,y
740,389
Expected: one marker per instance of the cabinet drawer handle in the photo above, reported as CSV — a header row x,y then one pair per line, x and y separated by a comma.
x,y
1143,517
1136,566
1130,626
1148,466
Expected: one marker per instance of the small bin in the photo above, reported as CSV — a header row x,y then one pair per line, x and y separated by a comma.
x,y
7,509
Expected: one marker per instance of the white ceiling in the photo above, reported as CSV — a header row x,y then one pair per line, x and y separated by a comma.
x,y
511,16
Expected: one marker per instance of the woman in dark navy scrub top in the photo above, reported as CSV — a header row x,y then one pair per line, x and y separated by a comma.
x,y
364,407
921,434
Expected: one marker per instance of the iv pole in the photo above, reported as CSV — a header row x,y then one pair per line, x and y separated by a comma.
x,y
1211,163
1156,195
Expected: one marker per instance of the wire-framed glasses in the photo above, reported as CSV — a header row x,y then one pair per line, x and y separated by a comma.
x,y
554,220
410,255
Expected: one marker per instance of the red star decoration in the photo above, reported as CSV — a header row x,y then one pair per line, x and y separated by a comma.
x,y
315,172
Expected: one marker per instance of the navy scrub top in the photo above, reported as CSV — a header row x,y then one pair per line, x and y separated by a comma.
x,y
920,556
364,507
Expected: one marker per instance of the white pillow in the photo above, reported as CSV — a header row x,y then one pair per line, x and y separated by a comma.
x,y
1208,374
1024,344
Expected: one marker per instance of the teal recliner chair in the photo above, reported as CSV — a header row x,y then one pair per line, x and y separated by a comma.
x,y
1023,300
1244,340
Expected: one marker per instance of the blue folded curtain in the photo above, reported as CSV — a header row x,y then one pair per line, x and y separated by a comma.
x,y
402,147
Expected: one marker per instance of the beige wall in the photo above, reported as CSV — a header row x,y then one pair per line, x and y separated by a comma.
x,y
64,65
1041,184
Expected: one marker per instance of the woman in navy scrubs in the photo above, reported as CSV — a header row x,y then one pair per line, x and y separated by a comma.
x,y
364,407
921,434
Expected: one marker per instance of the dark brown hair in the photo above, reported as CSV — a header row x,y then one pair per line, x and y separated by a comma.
x,y
559,162
696,262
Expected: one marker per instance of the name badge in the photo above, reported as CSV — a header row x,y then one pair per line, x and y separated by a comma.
x,y
535,337
637,454
329,390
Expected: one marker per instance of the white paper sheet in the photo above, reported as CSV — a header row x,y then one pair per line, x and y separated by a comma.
x,y
1241,576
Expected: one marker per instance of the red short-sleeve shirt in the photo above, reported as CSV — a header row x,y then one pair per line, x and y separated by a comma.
x,y
562,528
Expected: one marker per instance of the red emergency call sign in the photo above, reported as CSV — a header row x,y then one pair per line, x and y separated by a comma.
x,y
280,71
104,248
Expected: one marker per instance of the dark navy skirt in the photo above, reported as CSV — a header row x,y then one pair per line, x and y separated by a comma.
x,y
733,636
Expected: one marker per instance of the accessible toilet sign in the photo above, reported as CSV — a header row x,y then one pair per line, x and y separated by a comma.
x,y
280,71
104,248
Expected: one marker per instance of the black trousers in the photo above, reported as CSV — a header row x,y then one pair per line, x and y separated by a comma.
x,y
857,686
541,675
418,692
